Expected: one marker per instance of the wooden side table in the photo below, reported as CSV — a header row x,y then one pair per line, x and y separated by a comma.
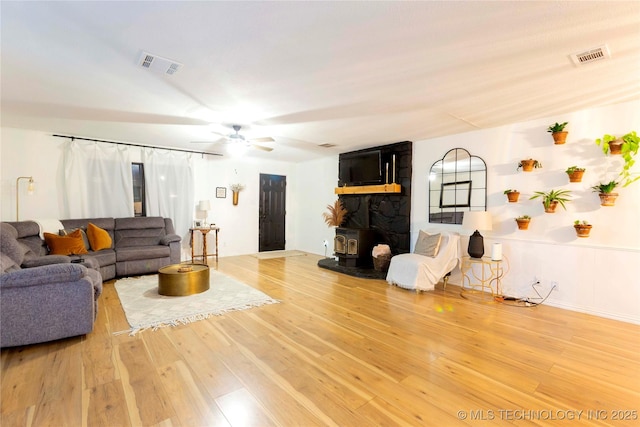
x,y
204,231
478,274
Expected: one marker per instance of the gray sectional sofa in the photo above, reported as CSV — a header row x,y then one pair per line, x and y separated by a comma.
x,y
47,297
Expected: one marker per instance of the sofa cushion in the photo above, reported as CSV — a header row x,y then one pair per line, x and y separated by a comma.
x,y
45,260
85,239
104,257
98,238
65,245
9,246
7,265
142,252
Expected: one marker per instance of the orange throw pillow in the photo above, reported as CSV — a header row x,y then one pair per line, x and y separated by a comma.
x,y
98,238
71,244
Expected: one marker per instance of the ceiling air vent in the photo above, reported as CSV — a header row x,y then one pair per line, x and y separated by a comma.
x,y
592,55
159,64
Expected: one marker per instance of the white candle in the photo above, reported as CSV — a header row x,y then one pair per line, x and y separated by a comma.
x,y
393,167
496,252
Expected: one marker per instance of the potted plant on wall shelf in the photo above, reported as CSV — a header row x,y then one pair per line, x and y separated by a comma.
x,y
627,145
583,228
552,198
523,222
558,133
528,165
605,192
575,173
512,195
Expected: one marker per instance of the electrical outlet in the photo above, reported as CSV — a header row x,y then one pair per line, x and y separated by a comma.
x,y
325,244
555,285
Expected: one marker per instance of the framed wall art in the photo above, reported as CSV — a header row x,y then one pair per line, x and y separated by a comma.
x,y
221,192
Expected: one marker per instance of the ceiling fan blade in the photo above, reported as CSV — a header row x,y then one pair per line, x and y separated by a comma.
x,y
263,139
217,141
261,147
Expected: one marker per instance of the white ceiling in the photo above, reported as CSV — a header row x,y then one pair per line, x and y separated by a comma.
x,y
353,74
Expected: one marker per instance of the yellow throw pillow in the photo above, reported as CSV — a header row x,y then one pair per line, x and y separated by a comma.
x,y
98,238
71,244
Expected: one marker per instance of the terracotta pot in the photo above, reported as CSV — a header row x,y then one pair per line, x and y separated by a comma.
x,y
523,224
235,197
615,146
582,230
552,207
608,199
527,165
513,196
559,137
576,176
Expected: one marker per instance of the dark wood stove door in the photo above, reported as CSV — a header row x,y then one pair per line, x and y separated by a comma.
x,y
273,189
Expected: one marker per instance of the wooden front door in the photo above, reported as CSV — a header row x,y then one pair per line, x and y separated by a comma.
x,y
273,190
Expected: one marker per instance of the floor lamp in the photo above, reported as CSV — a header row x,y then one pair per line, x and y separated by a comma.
x,y
29,192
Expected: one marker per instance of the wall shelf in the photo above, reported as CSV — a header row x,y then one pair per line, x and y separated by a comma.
x,y
369,189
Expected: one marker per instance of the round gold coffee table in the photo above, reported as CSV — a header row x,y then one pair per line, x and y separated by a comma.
x,y
183,279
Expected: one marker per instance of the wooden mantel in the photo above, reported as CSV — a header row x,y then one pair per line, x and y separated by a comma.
x,y
369,189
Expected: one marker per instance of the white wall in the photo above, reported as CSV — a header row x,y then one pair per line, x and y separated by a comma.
x,y
550,251
38,154
316,181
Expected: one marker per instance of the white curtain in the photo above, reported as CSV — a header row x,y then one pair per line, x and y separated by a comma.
x,y
97,180
169,181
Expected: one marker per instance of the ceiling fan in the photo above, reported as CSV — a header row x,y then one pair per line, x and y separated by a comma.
x,y
237,138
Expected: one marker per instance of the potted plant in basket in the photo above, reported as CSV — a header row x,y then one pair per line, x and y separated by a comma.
x,y
558,133
512,195
575,173
583,228
528,165
523,222
605,192
552,198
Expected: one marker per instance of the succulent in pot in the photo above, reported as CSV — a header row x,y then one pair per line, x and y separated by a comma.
x,y
512,195
583,228
523,222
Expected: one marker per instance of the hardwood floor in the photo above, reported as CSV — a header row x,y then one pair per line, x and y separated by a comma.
x,y
337,351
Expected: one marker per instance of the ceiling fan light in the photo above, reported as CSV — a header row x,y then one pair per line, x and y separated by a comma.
x,y
237,149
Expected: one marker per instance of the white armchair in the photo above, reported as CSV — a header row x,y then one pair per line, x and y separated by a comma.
x,y
420,272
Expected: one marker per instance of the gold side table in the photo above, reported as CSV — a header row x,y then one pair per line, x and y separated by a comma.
x,y
479,275
183,279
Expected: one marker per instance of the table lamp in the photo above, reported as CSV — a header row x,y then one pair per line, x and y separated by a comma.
x,y
204,206
476,220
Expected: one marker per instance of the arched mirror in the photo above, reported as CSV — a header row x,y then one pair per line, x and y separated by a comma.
x,y
457,183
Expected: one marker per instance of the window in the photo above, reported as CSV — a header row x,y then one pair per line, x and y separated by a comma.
x,y
139,209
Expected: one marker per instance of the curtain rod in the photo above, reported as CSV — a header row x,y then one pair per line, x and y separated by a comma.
x,y
135,145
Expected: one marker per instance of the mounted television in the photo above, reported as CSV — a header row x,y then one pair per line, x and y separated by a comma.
x,y
360,168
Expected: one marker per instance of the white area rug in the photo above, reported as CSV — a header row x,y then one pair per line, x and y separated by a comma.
x,y
278,254
146,309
